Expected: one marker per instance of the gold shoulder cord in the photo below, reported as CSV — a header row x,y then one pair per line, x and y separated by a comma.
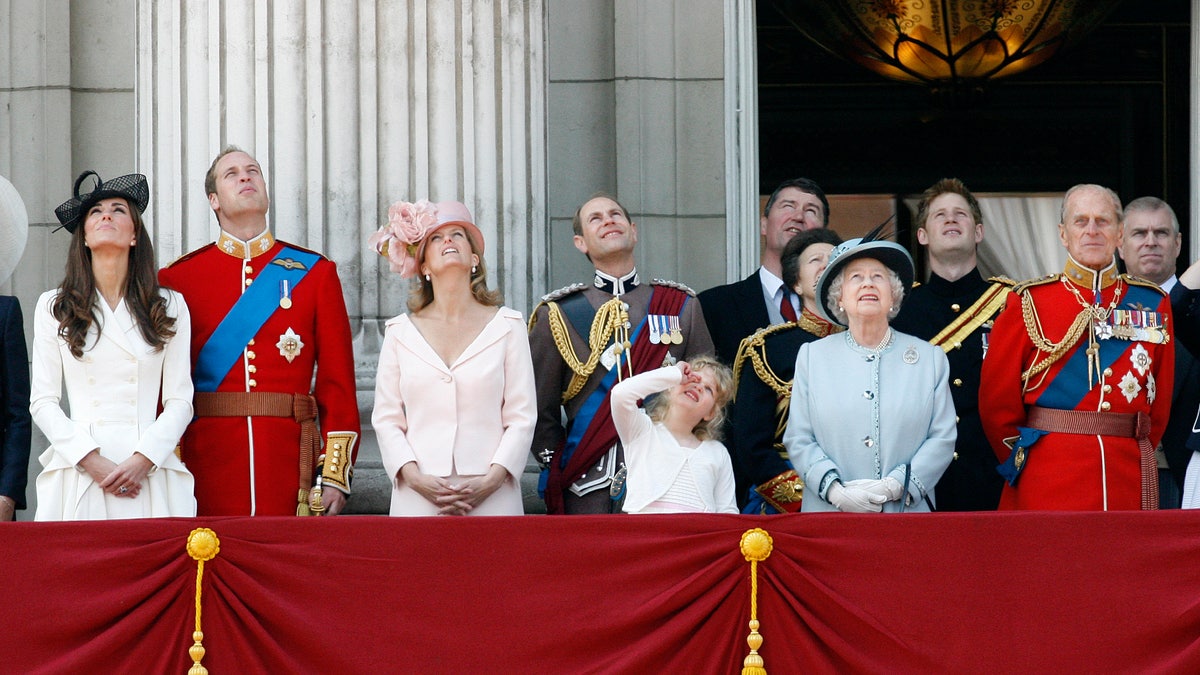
x,y
1053,350
603,326
755,349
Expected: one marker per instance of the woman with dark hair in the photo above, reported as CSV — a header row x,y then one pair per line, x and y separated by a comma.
x,y
763,368
120,344
454,395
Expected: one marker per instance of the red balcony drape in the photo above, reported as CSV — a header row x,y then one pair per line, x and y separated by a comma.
x,y
995,593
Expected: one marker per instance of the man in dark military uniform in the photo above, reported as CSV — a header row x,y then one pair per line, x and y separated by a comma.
x,y
1150,248
586,337
955,310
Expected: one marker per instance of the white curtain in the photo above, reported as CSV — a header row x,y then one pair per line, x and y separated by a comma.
x,y
1020,236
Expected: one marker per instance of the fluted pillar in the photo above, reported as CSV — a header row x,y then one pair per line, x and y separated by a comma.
x,y
350,105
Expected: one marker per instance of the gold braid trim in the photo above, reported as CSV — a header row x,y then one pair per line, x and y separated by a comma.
x,y
754,348
1054,351
603,327
976,315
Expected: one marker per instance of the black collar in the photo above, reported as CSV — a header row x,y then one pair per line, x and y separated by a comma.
x,y
616,286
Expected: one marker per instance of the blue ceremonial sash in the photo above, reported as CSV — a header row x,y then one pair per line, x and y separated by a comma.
x,y
1070,385
247,316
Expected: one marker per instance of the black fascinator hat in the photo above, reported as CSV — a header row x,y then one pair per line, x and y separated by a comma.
x,y
132,187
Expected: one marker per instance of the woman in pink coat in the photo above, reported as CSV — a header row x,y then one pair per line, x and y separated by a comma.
x,y
454,395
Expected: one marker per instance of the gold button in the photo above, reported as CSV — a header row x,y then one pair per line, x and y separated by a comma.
x,y
249,281
1107,388
957,382
958,345
1105,405
248,269
253,368
955,307
253,383
249,354
250,343
1108,372
957,419
956,455
337,446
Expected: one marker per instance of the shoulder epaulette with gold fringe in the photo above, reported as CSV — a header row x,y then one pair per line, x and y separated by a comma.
x,y
672,284
1139,281
1020,287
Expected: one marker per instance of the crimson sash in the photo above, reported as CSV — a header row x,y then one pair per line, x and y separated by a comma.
x,y
601,434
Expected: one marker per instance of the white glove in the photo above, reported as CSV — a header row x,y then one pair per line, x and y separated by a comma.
x,y
854,499
888,488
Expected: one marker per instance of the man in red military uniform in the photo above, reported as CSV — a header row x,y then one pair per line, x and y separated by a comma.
x,y
1078,374
265,316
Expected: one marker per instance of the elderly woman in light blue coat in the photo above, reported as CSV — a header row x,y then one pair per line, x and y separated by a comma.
x,y
871,422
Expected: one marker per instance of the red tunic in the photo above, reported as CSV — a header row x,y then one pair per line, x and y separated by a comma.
x,y
250,465
1074,471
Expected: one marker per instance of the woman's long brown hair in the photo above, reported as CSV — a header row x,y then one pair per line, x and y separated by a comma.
x,y
75,305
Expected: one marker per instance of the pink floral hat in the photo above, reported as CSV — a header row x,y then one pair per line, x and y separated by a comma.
x,y
402,239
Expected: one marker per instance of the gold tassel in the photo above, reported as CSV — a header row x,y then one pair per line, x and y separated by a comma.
x,y
202,545
756,546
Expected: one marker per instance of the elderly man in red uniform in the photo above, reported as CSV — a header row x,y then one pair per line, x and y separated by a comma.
x,y
1078,374
265,316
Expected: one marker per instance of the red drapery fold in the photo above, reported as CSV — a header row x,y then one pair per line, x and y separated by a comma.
x,y
998,592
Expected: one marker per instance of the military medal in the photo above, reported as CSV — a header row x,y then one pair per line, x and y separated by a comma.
x,y
655,333
285,294
676,333
289,345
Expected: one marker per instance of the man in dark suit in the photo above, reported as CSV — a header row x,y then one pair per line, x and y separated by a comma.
x,y
14,409
734,311
1152,243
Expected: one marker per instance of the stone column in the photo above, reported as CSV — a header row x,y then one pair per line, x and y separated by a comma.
x,y
350,106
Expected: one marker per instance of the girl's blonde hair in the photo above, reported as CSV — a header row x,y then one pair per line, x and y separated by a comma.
x,y
707,430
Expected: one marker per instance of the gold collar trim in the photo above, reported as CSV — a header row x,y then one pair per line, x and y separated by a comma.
x,y
814,324
1090,278
231,245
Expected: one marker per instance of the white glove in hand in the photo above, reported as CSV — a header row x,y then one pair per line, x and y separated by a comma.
x,y
888,488
854,499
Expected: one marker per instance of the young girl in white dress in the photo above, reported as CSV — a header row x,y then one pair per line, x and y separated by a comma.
x,y
675,461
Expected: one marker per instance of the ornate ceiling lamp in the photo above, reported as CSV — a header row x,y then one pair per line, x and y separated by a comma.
x,y
952,46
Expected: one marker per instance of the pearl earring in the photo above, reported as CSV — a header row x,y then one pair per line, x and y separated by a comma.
x,y
426,277
473,268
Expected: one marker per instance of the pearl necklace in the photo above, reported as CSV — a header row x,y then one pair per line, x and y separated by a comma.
x,y
883,344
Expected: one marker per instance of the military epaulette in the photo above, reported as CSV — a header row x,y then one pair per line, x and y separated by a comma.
x,y
1001,279
563,292
189,256
1139,281
673,284
1030,283
301,248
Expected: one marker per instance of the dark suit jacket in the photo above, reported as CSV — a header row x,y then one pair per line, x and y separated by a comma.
x,y
733,312
1178,441
14,402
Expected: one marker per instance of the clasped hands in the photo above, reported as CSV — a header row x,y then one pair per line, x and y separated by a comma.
x,y
453,499
865,495
119,480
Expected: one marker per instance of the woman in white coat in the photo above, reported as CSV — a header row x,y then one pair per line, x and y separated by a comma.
x,y
454,395
120,345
